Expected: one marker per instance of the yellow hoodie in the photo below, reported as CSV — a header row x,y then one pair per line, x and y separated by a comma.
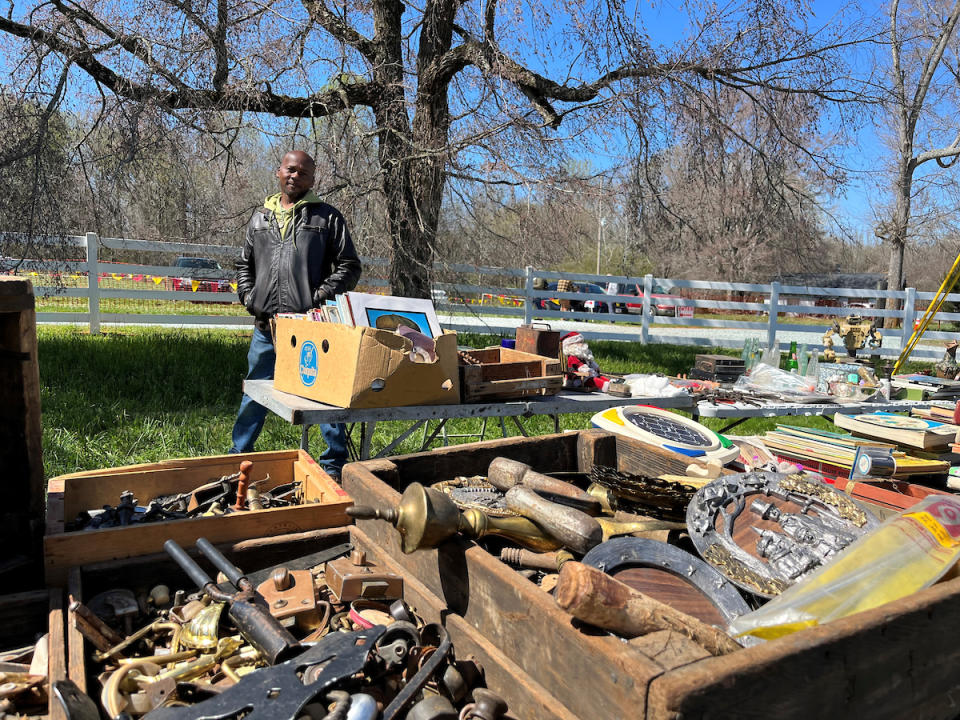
x,y
284,215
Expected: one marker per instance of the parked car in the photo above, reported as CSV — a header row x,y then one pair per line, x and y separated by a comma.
x,y
207,284
657,305
596,306
576,305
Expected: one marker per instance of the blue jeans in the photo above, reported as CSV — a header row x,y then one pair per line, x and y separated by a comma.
x,y
250,418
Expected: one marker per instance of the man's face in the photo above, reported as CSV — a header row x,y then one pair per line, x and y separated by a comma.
x,y
295,174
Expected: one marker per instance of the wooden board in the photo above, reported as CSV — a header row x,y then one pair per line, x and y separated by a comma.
x,y
896,661
76,492
640,458
21,454
56,648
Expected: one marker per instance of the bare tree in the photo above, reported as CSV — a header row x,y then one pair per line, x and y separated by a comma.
x,y
443,82
923,98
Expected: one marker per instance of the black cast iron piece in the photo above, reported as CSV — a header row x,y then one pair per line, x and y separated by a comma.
x,y
278,692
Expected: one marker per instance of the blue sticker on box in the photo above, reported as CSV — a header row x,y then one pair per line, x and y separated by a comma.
x,y
308,363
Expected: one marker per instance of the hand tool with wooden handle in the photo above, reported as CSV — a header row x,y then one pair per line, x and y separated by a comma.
x,y
576,530
504,474
598,599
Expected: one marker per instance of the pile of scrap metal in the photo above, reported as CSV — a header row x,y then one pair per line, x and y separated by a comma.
x,y
218,496
604,542
23,680
333,640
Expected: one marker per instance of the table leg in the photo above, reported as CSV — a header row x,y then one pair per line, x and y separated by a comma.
x,y
503,427
433,436
305,437
366,437
516,421
556,423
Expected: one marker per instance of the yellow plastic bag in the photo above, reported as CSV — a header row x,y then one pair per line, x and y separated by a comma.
x,y
906,553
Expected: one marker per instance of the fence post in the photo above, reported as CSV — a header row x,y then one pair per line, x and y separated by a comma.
x,y
909,315
93,282
773,313
645,311
527,299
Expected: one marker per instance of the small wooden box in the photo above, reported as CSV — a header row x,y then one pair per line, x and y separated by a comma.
x,y
505,374
893,661
539,339
67,495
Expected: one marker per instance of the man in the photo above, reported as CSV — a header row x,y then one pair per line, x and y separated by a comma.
x,y
296,254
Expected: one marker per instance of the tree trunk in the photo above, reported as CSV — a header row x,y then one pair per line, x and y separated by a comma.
x,y
898,236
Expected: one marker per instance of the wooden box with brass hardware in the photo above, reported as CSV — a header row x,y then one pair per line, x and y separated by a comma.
x,y
847,667
525,697
356,578
496,373
323,505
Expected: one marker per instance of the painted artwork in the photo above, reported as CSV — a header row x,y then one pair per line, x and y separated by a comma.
x,y
386,312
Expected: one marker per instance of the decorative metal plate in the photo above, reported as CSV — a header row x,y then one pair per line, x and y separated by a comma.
x,y
475,493
824,523
665,429
668,428
629,552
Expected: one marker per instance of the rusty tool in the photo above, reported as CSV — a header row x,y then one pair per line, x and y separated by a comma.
x,y
504,474
246,467
575,529
596,598
254,621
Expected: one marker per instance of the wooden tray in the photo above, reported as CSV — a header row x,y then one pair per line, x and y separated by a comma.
x,y
505,374
891,662
525,697
67,495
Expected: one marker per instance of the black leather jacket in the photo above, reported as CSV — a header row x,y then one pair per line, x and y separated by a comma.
x,y
315,261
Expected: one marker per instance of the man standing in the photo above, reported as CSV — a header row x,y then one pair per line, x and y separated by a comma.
x,y
296,254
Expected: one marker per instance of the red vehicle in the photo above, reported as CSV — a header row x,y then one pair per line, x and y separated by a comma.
x,y
657,304
207,283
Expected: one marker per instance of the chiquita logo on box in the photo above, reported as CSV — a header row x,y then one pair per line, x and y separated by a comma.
x,y
308,363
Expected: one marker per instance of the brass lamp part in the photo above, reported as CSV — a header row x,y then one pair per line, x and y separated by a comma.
x,y
425,518
476,524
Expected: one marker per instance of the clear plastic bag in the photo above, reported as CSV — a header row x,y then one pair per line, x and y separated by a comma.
x,y
770,379
907,553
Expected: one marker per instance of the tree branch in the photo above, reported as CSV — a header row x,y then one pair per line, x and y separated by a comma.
x,y
334,25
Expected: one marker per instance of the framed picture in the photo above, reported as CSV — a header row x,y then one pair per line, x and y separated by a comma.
x,y
386,312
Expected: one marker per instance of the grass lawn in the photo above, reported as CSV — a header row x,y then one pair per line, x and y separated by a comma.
x,y
136,395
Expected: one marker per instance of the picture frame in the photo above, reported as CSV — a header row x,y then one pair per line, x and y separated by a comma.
x,y
387,312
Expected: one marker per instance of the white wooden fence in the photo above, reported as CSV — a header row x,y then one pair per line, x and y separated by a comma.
x,y
495,300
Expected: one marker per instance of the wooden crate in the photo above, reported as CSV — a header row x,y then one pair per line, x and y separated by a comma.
x,y
891,662
67,495
526,698
505,374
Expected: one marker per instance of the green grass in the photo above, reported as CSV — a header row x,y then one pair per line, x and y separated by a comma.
x,y
136,395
